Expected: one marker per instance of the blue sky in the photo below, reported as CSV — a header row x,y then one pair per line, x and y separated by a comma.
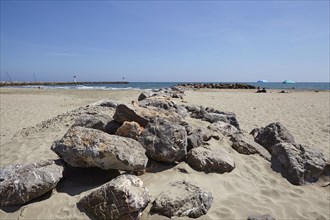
x,y
165,40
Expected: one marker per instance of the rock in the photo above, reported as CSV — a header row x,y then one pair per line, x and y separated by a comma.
x,y
112,127
245,145
86,147
164,141
21,183
143,115
158,101
224,128
229,118
255,132
198,137
144,95
212,115
105,103
122,198
260,217
182,199
98,122
210,160
130,129
298,163
272,134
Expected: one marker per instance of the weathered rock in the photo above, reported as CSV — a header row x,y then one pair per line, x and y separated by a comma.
x,y
198,137
130,129
182,199
164,141
299,164
86,147
21,183
143,115
210,160
272,134
112,127
144,95
229,118
245,145
105,103
260,217
158,101
224,128
122,198
98,122
212,115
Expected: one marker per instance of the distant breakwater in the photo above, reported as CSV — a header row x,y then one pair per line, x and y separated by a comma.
x,y
56,83
216,85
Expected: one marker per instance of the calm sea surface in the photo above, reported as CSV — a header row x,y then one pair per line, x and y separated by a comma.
x,y
157,85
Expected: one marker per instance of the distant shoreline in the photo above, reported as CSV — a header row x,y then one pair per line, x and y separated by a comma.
x,y
56,83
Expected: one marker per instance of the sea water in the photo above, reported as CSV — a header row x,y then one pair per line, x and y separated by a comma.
x,y
158,85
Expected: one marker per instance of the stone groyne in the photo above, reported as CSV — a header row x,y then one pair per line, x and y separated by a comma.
x,y
216,85
56,83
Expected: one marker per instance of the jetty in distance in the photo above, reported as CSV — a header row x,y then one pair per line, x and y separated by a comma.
x,y
18,83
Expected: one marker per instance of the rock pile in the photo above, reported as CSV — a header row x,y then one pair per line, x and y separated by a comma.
x,y
155,128
216,86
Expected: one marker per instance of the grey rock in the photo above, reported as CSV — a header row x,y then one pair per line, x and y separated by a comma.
x,y
105,103
224,128
212,115
86,147
229,118
164,141
144,95
298,163
198,137
98,122
122,198
210,160
260,217
143,115
272,134
182,199
158,101
21,183
245,145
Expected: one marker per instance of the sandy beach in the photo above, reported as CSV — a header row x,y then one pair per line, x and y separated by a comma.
x,y
251,188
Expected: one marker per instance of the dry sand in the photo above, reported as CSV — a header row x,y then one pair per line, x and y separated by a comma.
x,y
251,188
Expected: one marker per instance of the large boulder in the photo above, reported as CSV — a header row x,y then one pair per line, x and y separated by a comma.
x,y
86,147
212,115
158,101
272,134
198,137
182,199
210,160
227,117
130,129
143,115
245,145
298,163
21,183
224,128
164,141
98,122
122,198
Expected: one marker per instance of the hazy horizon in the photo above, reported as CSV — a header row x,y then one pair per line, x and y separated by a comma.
x,y
165,41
